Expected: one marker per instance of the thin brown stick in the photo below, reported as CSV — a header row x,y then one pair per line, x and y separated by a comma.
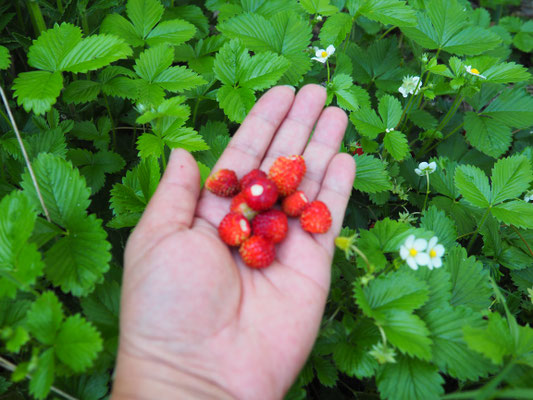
x,y
25,154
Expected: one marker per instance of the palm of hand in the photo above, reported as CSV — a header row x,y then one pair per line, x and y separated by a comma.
x,y
189,301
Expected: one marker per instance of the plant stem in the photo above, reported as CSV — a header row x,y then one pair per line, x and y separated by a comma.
x,y
163,157
60,7
445,137
36,17
474,237
387,32
25,154
195,112
114,133
522,238
451,112
427,191
327,64
85,24
12,367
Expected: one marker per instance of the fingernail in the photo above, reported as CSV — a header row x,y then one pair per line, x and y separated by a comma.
x,y
291,87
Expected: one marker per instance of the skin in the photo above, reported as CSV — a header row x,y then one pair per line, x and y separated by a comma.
x,y
195,321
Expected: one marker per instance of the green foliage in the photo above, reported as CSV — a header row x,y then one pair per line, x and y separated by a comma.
x,y
101,105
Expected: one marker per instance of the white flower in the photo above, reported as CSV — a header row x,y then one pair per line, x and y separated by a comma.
x,y
435,252
528,196
319,18
413,253
424,168
474,71
389,130
409,85
322,55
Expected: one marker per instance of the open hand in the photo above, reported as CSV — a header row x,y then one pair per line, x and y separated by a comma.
x,y
194,318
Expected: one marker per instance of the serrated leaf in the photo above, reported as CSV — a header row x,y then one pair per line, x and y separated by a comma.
x,y
153,62
117,25
514,107
488,135
103,305
516,212
44,318
507,73
443,227
411,379
18,339
408,333
263,70
390,234
321,7
217,137
5,58
144,14
367,122
185,138
353,360
81,91
175,32
63,189
371,175
396,144
494,341
43,377
423,119
94,52
78,261
37,91
511,177
94,166
325,371
48,51
450,351
473,185
176,79
392,12
335,29
236,102
77,343
392,292
470,281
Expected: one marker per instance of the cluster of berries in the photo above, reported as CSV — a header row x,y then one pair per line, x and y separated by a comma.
x,y
252,223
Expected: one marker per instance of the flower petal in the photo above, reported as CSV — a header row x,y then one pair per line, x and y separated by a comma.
x,y
439,249
437,262
330,50
409,241
420,244
423,165
432,242
412,263
404,252
422,258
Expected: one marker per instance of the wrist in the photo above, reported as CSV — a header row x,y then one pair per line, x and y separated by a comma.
x,y
141,379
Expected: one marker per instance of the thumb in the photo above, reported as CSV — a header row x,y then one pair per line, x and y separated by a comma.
x,y
173,205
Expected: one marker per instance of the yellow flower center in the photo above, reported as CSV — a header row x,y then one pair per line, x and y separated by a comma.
x,y
432,253
474,71
325,54
413,252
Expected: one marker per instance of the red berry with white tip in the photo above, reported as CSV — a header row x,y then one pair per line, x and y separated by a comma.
x,y
257,252
234,229
261,194
247,179
294,204
287,173
238,205
271,224
223,183
316,217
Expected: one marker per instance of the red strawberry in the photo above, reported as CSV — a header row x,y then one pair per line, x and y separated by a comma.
x,y
223,183
316,217
287,173
271,224
238,205
261,194
234,229
294,204
250,176
358,149
257,252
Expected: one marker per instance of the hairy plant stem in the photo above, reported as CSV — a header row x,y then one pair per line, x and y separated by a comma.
x,y
60,7
36,16
12,367
444,138
327,64
387,32
427,192
85,24
474,236
114,132
25,154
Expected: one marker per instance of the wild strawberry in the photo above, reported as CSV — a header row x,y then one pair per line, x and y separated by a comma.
x,y
257,252
223,183
271,224
294,204
316,217
250,176
234,229
287,173
358,149
261,194
238,205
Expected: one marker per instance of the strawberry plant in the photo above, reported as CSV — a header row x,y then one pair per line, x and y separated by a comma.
x,y
432,280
